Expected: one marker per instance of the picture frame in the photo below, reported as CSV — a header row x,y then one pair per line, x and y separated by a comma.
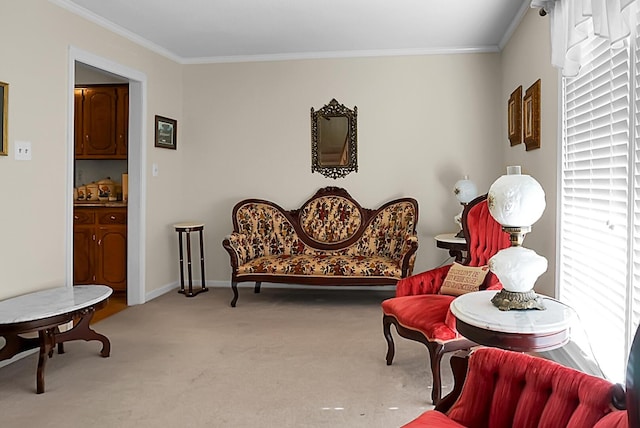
x,y
166,132
514,117
4,119
531,116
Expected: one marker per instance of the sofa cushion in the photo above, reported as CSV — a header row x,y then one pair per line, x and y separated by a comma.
x,y
463,279
323,265
425,313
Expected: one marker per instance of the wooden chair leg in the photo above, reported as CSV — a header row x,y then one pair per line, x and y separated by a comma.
x,y
435,354
234,288
256,289
386,329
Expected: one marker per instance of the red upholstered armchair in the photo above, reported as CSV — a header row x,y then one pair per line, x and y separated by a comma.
x,y
420,313
506,389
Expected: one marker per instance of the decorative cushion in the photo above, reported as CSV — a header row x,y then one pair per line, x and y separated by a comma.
x,y
463,279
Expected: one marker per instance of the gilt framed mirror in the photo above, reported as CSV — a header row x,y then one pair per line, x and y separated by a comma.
x,y
334,140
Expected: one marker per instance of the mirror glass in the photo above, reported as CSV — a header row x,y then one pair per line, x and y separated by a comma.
x,y
334,140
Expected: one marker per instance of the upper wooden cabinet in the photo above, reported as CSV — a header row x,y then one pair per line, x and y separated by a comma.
x,y
101,121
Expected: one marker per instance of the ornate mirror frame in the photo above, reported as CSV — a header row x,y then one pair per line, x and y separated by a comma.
x,y
348,163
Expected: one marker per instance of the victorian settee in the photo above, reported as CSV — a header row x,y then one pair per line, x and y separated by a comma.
x,y
330,240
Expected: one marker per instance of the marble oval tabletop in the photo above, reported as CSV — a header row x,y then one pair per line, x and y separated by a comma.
x,y
49,303
477,310
450,238
188,225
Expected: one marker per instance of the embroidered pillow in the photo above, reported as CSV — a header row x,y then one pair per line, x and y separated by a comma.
x,y
463,279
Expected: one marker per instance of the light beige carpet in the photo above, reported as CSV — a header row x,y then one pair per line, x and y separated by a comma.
x,y
282,358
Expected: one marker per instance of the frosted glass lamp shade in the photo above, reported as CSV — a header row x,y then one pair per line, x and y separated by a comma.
x,y
465,190
517,268
516,200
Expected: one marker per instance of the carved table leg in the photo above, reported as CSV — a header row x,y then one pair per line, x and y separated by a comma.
x,y
47,344
81,331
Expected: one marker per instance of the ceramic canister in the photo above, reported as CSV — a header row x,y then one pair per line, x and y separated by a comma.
x,y
82,193
92,192
106,189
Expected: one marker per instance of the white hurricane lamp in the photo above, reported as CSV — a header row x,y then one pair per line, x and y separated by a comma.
x,y
517,201
465,191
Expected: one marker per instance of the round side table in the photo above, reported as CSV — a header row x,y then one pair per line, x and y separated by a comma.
x,y
523,331
186,228
456,246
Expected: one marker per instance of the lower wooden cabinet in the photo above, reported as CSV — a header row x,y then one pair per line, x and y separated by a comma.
x,y
100,246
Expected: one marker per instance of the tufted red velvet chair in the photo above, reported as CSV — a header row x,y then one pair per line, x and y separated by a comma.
x,y
504,389
420,313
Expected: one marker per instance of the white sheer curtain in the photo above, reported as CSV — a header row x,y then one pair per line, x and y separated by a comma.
x,y
572,21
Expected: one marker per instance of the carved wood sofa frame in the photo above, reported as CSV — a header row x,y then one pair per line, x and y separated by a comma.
x,y
330,240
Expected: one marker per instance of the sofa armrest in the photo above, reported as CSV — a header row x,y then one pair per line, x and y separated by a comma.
x,y
407,256
428,282
239,249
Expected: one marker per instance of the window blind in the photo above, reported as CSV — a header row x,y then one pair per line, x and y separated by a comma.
x,y
597,181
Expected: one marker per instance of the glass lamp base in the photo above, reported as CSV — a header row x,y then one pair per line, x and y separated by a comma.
x,y
508,300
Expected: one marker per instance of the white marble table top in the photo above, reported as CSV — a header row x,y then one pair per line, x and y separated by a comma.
x,y
49,303
450,238
188,225
477,310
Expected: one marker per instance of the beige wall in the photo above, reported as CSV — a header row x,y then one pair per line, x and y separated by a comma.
x,y
525,59
243,131
34,211
423,122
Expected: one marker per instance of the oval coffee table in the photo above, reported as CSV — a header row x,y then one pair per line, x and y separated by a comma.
x,y
43,312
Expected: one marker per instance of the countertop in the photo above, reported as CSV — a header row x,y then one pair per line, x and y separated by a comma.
x,y
100,204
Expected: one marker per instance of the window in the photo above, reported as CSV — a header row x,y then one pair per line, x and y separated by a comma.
x,y
599,266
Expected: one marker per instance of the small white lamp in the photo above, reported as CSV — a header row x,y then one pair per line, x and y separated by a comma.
x,y
517,201
465,191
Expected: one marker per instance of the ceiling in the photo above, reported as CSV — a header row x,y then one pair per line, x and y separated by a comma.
x,y
204,31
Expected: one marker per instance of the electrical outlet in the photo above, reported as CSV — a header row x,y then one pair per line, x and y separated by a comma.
x,y
22,150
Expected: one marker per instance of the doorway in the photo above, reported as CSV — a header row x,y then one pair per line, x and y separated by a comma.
x,y
135,166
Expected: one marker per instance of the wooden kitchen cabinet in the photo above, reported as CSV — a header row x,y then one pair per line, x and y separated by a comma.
x,y
100,246
101,121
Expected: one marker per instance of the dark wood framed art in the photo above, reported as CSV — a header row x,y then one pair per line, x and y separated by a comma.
x,y
514,117
166,132
531,106
4,122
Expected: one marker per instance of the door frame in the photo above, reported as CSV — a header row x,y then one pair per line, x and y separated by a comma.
x,y
136,166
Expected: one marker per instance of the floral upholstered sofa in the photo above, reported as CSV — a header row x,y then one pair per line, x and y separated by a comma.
x,y
330,240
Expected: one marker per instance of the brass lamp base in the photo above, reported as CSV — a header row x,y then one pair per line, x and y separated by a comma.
x,y
508,300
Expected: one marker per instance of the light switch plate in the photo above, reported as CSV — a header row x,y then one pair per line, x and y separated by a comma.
x,y
22,150
154,169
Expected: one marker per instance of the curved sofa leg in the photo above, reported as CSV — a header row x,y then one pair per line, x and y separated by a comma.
x,y
435,354
234,287
386,330
257,287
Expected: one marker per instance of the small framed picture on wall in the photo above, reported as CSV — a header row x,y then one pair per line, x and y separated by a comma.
x,y
514,117
531,106
166,132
